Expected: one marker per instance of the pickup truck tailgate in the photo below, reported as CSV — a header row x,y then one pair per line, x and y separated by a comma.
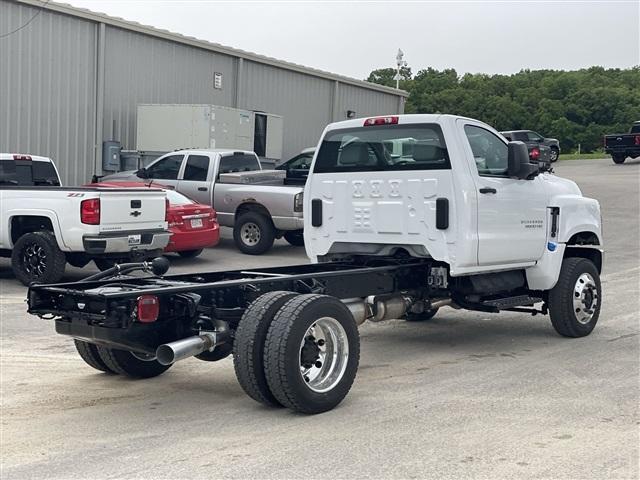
x,y
624,140
132,209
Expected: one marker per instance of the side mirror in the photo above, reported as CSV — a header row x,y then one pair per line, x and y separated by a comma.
x,y
142,173
518,162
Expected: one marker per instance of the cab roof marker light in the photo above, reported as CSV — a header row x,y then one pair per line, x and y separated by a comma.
x,y
393,120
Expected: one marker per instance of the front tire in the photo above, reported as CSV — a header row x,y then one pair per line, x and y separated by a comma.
x,y
134,366
253,233
311,353
248,346
618,159
37,258
295,237
575,301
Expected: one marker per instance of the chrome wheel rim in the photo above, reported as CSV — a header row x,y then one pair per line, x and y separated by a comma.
x,y
553,155
34,260
250,234
324,353
585,298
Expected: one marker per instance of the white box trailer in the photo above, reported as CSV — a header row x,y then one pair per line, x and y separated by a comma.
x,y
163,128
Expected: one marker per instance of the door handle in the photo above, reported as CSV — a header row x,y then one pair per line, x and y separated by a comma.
x,y
488,190
202,189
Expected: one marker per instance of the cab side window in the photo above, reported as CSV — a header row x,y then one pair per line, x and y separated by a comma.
x,y
491,154
166,168
197,168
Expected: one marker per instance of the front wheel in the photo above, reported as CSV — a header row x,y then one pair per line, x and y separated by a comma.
x,y
618,159
253,233
311,353
575,301
36,257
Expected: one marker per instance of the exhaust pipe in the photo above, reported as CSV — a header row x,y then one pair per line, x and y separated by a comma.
x,y
187,347
379,309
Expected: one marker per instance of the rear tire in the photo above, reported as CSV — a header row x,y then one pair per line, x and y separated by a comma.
x,y
575,301
295,237
253,233
554,154
105,263
311,353
248,346
190,253
618,159
126,363
89,353
37,258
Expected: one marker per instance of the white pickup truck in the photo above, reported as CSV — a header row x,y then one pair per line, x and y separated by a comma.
x,y
44,226
255,202
458,217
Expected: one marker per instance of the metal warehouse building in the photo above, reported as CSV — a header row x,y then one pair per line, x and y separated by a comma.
x,y
70,73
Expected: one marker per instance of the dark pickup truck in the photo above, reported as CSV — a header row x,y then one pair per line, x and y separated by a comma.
x,y
623,145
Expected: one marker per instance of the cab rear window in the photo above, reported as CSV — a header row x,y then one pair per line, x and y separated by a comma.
x,y
27,173
383,148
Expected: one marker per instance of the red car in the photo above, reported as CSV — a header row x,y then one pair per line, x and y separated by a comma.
x,y
194,226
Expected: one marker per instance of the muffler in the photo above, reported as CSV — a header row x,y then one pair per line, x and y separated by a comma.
x,y
376,309
187,347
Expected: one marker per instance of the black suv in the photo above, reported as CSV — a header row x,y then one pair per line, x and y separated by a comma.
x,y
532,138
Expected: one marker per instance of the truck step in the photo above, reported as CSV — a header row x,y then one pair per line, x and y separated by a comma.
x,y
508,302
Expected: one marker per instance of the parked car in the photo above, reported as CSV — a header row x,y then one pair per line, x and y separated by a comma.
x,y
623,145
297,168
469,225
193,226
255,202
531,138
45,226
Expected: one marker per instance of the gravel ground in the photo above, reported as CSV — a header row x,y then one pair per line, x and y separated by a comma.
x,y
464,395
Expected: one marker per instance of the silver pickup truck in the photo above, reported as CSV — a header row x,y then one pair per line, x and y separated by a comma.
x,y
255,202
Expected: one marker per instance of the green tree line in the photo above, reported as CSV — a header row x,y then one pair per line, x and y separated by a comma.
x,y
576,107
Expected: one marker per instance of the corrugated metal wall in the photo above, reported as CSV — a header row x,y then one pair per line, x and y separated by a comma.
x,y
50,90
47,96
304,101
143,69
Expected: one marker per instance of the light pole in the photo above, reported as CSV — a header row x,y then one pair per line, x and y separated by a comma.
x,y
400,63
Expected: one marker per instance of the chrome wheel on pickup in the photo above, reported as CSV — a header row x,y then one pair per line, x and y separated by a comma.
x,y
253,233
575,301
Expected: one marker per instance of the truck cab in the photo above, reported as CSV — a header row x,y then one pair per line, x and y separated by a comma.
x,y
455,195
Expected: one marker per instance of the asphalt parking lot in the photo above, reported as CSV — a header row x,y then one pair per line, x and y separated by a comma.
x,y
464,395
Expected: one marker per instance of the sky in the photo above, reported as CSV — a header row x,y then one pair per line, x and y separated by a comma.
x,y
354,37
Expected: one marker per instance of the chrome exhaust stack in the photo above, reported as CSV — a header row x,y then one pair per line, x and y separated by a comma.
x,y
187,347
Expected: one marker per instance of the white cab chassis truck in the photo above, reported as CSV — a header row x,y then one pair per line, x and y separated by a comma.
x,y
404,215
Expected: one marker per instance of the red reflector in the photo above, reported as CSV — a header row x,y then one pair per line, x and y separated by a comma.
x,y
381,121
637,139
535,153
90,211
148,308
21,157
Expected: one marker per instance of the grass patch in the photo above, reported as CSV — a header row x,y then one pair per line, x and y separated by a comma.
x,y
582,156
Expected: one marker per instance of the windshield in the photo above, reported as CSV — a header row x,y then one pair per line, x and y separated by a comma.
x,y
383,148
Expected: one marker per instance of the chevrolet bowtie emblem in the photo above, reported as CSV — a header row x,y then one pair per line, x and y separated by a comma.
x,y
135,213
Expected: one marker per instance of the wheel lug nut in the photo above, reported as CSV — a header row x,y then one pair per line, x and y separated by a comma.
x,y
321,342
318,364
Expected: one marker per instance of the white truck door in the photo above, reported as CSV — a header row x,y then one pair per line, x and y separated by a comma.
x,y
359,193
511,213
196,181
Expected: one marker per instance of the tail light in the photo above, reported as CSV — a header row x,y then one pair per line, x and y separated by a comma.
x,y
534,154
90,211
148,308
381,121
298,201
637,141
166,209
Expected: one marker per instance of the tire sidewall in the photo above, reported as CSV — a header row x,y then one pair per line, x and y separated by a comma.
x,y
47,242
327,400
267,233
